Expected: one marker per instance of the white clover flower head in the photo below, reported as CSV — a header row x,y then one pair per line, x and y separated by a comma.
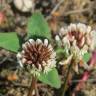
x,y
81,33
77,39
38,55
24,5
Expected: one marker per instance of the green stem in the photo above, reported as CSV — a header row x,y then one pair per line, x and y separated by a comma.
x,y
65,82
33,86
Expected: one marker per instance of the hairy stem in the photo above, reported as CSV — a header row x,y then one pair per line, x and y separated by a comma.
x,y
33,86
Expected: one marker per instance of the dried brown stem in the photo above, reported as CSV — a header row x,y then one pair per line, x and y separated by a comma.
x,y
76,11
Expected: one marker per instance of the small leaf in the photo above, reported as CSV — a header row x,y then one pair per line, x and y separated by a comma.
x,y
86,57
38,27
60,50
9,41
52,78
61,53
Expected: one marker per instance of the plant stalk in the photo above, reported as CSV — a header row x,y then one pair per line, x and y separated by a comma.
x,y
33,86
66,79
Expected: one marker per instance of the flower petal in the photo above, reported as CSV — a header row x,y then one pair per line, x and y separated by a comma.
x,y
46,42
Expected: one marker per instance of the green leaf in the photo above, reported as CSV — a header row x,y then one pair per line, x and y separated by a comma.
x,y
52,78
86,57
9,41
60,50
61,53
38,27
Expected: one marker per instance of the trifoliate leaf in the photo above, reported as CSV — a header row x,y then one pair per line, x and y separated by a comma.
x,y
38,27
52,78
9,41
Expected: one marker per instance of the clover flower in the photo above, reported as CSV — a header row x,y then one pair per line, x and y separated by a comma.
x,y
38,56
79,33
77,39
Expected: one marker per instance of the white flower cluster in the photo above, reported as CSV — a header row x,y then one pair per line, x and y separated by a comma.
x,y
24,5
79,34
77,39
39,52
